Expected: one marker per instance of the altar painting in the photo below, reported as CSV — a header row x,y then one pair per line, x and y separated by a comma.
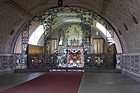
x,y
74,36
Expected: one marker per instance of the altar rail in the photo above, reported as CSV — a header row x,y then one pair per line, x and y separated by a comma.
x,y
105,62
90,62
42,61
6,62
131,63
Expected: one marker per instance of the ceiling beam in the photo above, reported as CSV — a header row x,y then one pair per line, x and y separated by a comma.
x,y
39,4
25,13
104,6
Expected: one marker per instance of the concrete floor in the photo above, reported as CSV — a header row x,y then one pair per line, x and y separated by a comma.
x,y
91,82
12,79
108,83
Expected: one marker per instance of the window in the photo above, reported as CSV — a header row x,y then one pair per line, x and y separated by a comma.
x,y
36,35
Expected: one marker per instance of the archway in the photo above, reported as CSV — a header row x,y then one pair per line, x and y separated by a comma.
x,y
71,37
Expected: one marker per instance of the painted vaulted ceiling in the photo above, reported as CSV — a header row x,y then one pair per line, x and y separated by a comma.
x,y
123,15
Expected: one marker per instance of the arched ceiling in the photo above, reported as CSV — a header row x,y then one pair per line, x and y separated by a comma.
x,y
124,15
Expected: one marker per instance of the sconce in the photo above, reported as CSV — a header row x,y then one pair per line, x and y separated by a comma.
x,y
60,2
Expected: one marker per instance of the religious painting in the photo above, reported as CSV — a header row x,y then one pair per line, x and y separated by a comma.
x,y
74,36
61,37
111,49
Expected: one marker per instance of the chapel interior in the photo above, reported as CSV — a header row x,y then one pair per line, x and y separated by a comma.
x,y
97,37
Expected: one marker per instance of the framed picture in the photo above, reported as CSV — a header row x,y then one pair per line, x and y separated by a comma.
x,y
61,37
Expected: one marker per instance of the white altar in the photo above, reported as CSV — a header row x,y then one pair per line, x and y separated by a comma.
x,y
74,57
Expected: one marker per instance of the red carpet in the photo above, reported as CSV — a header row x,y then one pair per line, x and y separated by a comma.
x,y
53,82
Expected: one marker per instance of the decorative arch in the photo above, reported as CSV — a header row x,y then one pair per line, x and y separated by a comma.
x,y
58,16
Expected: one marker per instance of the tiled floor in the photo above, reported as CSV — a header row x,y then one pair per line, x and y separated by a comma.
x,y
108,83
91,82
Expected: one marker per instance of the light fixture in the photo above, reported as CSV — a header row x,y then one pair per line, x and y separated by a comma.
x,y
60,2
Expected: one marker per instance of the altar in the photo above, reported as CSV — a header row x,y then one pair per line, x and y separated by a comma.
x,y
73,57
